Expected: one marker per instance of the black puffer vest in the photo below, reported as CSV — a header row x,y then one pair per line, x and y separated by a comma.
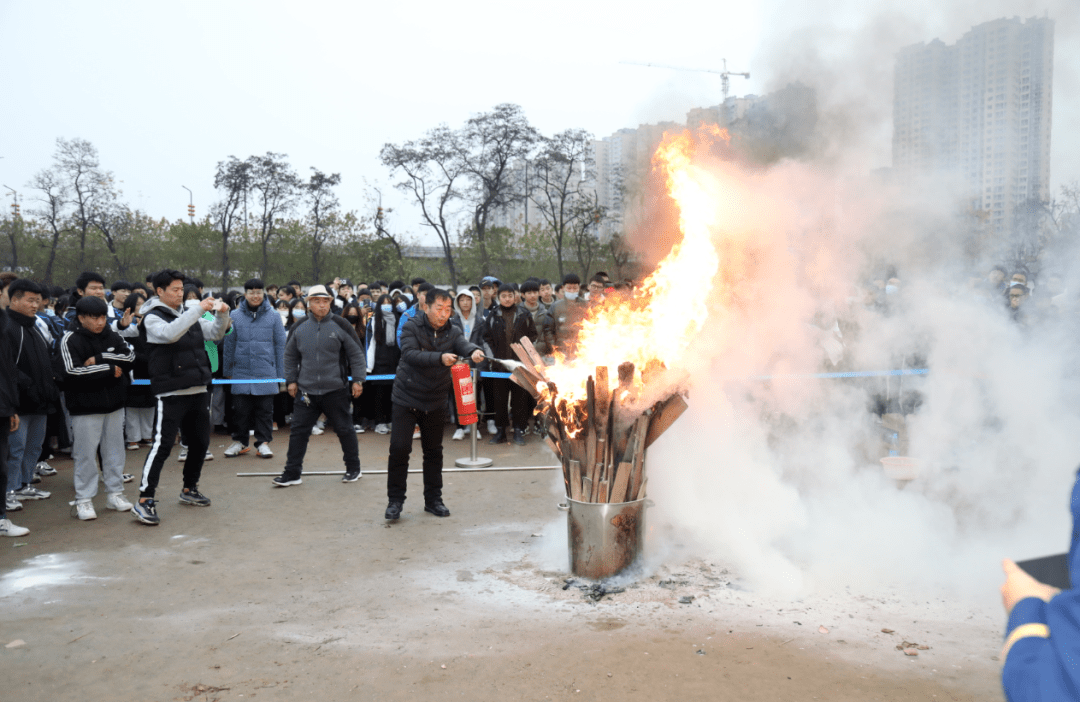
x,y
179,365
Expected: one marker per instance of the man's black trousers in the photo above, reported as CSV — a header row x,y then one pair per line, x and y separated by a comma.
x,y
432,425
337,406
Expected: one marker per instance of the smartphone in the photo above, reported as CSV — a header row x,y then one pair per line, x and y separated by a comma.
x,y
1052,570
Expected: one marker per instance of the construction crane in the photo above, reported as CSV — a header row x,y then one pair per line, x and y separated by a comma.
x,y
724,74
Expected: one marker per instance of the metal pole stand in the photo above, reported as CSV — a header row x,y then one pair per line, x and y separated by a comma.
x,y
473,461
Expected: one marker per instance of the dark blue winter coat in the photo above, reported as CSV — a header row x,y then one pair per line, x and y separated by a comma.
x,y
255,349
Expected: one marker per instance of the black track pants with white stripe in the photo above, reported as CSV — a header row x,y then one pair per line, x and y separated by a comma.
x,y
190,413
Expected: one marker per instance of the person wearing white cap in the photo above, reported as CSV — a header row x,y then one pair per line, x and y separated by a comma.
x,y
319,380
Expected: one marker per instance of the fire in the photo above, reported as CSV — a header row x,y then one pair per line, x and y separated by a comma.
x,y
655,325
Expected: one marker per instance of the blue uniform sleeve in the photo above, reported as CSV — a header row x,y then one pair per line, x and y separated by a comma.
x,y
1042,642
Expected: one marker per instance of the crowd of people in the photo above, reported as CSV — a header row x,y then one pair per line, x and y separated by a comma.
x,y
97,369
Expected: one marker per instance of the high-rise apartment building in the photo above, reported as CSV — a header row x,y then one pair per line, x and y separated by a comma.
x,y
979,110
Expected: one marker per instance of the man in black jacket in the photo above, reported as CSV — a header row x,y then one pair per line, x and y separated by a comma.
x,y
506,324
430,344
93,362
37,389
9,420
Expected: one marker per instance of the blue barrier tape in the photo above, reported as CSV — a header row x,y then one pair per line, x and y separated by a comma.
x,y
842,374
233,381
785,376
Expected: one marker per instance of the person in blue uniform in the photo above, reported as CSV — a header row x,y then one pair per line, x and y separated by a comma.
x,y
1042,641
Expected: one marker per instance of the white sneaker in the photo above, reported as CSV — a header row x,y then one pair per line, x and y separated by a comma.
x,y
316,430
183,454
459,434
11,503
44,469
117,501
84,510
264,451
416,433
492,429
209,456
235,449
382,429
358,428
9,529
321,423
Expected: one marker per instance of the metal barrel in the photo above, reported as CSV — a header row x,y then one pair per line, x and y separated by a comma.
x,y
604,538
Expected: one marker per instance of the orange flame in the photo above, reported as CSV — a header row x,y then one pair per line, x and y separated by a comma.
x,y
657,323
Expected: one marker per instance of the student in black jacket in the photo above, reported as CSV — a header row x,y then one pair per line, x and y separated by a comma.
x,y
37,388
93,361
506,324
9,421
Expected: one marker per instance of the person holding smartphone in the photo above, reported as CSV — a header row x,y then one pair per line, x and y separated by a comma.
x,y
430,344
179,377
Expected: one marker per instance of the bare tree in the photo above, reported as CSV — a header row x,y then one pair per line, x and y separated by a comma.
x,y
91,188
233,178
488,146
52,197
321,202
276,187
562,165
113,225
432,170
381,230
585,231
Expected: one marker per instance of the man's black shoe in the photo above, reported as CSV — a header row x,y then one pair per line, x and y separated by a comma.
x,y
393,510
499,438
437,508
519,437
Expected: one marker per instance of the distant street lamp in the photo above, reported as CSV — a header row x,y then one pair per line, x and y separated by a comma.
x,y
15,203
191,203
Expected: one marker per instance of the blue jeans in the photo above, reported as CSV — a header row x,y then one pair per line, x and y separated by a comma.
x,y
24,448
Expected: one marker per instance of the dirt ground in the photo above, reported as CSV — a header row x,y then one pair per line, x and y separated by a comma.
x,y
307,593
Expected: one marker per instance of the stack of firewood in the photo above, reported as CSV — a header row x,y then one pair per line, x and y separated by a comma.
x,y
601,440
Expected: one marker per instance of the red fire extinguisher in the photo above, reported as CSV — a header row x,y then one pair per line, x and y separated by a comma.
x,y
464,393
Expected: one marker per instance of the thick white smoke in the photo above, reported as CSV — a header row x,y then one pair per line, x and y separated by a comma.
x,y
781,477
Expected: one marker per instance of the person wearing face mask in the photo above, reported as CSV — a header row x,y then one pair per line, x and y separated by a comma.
x,y
179,375
255,350
566,315
383,355
351,314
93,361
470,321
506,325
297,312
219,394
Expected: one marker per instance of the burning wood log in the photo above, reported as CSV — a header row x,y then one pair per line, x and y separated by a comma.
x,y
601,438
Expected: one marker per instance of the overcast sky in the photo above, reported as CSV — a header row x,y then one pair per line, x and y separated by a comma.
x,y
166,90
